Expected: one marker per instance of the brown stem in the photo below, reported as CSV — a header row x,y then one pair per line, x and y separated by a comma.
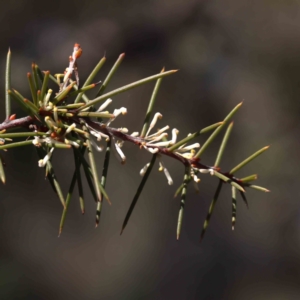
x,y
113,132
22,122
194,162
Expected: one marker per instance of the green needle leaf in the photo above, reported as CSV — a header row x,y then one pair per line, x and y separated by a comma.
x,y
17,144
247,160
2,173
51,175
56,184
79,182
95,114
216,132
70,106
182,201
223,145
138,192
126,88
63,94
84,89
53,79
69,196
88,176
150,106
83,96
228,180
244,199
110,74
20,101
31,106
93,167
32,89
39,74
233,218
249,178
35,76
7,84
91,77
45,85
178,191
41,152
22,134
259,188
103,179
192,136
211,209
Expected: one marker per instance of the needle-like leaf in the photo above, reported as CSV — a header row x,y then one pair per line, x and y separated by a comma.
x,y
233,218
110,74
229,180
91,77
103,178
259,188
223,144
35,76
247,160
12,135
244,199
249,178
126,88
211,209
69,195
182,201
16,144
79,182
32,89
95,115
20,101
192,136
7,84
2,173
217,131
45,85
150,106
138,192
56,184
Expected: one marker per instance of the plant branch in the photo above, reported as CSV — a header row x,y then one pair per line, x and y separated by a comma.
x,y
22,122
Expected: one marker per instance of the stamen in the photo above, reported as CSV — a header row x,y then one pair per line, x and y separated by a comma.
x,y
42,162
104,105
144,169
120,153
158,132
152,124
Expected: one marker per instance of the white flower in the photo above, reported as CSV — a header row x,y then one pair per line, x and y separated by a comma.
x,y
119,153
144,169
157,133
70,128
152,124
151,150
104,105
99,148
135,134
205,171
68,142
42,162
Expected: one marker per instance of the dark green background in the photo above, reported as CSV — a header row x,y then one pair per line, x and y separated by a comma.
x,y
227,51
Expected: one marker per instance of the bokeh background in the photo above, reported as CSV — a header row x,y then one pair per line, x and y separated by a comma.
x,y
227,51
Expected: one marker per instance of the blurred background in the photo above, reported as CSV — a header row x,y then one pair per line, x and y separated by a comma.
x,y
227,52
